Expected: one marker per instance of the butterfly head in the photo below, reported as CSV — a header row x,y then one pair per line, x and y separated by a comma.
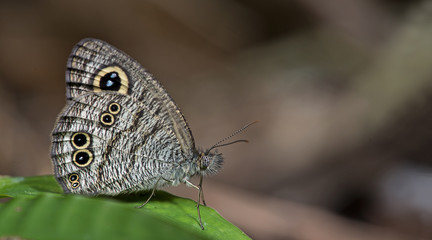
x,y
210,163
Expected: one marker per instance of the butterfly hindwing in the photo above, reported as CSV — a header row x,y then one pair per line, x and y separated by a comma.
x,y
107,143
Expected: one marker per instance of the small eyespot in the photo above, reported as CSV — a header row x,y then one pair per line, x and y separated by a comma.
x,y
114,108
82,158
111,78
73,177
107,119
80,140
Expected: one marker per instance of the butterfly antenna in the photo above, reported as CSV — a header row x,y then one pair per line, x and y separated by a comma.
x,y
232,135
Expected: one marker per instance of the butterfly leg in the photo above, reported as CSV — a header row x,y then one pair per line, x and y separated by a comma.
x,y
151,195
199,187
202,192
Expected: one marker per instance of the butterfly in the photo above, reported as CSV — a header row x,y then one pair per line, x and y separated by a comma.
x,y
120,132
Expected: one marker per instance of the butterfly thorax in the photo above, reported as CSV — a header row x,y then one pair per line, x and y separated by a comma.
x,y
201,164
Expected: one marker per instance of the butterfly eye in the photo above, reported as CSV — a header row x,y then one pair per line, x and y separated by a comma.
x,y
82,158
111,78
80,140
107,119
114,108
210,163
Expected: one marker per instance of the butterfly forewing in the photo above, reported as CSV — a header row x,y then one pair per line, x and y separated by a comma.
x,y
90,63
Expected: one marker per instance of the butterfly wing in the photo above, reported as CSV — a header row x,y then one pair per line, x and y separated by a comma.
x,y
91,60
120,131
107,143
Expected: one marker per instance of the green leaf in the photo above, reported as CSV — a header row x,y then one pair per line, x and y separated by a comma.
x,y
27,186
38,210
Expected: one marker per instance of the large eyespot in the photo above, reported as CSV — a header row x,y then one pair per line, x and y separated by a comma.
x,y
111,78
110,81
114,108
80,140
107,119
82,158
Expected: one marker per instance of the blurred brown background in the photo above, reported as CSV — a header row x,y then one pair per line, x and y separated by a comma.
x,y
343,90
